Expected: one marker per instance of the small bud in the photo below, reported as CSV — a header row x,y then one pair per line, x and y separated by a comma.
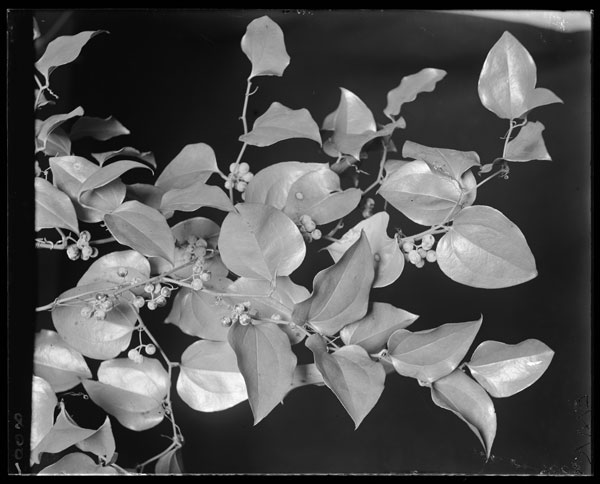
x,y
414,256
122,272
366,213
276,317
225,321
165,291
431,256
243,168
228,184
422,253
136,280
239,308
299,196
139,302
247,177
101,297
82,244
428,241
133,355
245,320
94,253
233,168
241,186
407,246
316,234
107,305
161,301
85,236
205,276
87,311
420,263
191,239
197,284
73,252
369,203
100,314
150,349
157,288
151,305
377,257
149,288
309,225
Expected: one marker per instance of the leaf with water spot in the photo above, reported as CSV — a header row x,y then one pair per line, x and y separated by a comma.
x,y
504,370
119,267
264,45
410,87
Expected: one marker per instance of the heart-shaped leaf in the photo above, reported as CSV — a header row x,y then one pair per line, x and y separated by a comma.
x,y
142,228
69,172
271,185
452,163
260,242
194,197
195,162
411,86
128,152
119,267
104,176
504,370
43,403
63,50
101,442
132,392
264,45
209,378
433,353
57,363
97,128
76,463
170,463
63,434
424,196
373,331
528,144
43,129
485,249
355,379
468,401
508,78
341,292
94,338
53,208
387,257
280,123
265,359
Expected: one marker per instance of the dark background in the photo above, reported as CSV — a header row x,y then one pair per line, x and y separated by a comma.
x,y
178,77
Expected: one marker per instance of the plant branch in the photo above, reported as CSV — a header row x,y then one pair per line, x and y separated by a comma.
x,y
379,178
107,240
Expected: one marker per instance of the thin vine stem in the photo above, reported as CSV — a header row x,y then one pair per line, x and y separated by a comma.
x,y
107,240
379,178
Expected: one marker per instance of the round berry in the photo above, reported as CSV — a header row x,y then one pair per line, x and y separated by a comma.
x,y
243,168
304,219
197,284
107,305
369,203
122,272
245,320
85,236
428,241
205,276
431,256
241,186
133,354
82,244
316,234
226,321
149,288
94,253
139,302
420,264
228,184
366,213
161,301
310,225
407,246
247,177
100,314
73,252
233,168
87,311
165,291
422,253
414,256
239,308
151,305
150,349
200,252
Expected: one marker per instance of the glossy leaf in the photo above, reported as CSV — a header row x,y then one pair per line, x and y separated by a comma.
x,y
63,50
53,208
57,363
392,165
355,379
63,434
209,378
170,463
280,123
410,87
97,128
104,176
452,163
128,152
43,129
388,260
58,143
341,292
194,163
76,463
265,359
373,331
433,353
424,196
469,402
194,197
142,228
69,172
271,185
528,144
504,370
43,403
147,194
94,338
485,249
264,45
132,392
101,442
260,242
119,267
508,78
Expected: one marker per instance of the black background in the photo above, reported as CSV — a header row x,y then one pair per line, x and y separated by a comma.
x,y
178,77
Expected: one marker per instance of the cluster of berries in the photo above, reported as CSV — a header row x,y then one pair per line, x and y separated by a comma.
x,y
368,208
308,229
418,254
239,314
135,354
99,307
239,177
158,296
82,248
199,275
194,248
